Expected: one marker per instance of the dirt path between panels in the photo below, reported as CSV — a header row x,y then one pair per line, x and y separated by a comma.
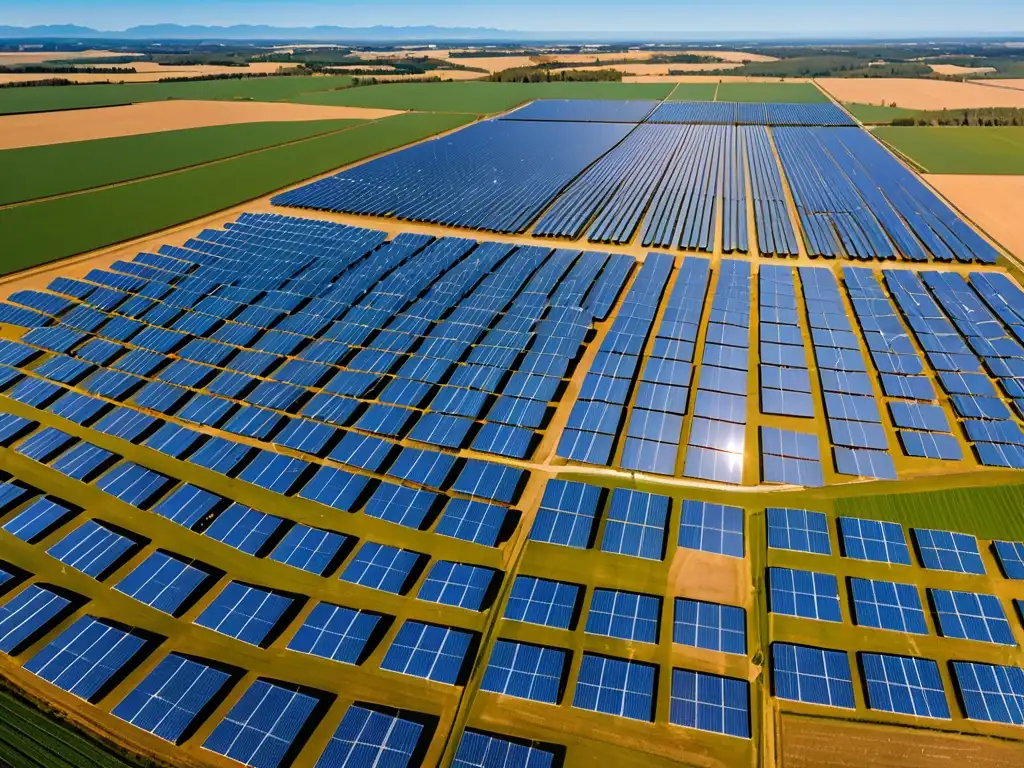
x,y
41,128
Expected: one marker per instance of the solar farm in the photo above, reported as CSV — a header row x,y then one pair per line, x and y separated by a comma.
x,y
651,433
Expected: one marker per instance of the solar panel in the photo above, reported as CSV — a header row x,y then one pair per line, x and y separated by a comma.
x,y
243,528
378,566
805,594
246,613
710,703
616,687
1010,555
712,528
164,582
401,505
429,651
92,548
567,514
472,521
873,540
812,675
887,605
526,671
38,519
457,584
260,729
709,625
187,505
483,750
544,602
798,530
992,693
27,615
168,702
309,549
971,616
905,685
86,657
946,551
626,615
133,484
335,488
487,480
335,632
368,737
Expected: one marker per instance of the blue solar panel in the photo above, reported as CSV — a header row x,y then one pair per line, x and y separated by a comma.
x,y
472,521
401,505
712,528
133,484
991,693
335,632
260,728
27,615
429,651
626,615
246,613
429,468
243,528
567,514
38,519
487,480
187,505
710,625
812,675
378,566
367,737
169,700
886,605
710,703
946,551
971,616
457,584
92,549
904,685
544,602
526,671
616,687
873,540
805,594
636,524
310,549
798,530
482,750
163,582
1011,558
335,488
85,657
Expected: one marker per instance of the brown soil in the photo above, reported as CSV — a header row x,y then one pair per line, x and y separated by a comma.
x,y
994,203
813,743
41,128
956,69
919,94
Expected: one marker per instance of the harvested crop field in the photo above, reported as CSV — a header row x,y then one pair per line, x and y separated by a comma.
x,y
994,203
659,70
919,94
33,57
146,72
33,130
818,743
957,70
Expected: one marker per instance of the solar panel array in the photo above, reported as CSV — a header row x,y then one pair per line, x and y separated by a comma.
x,y
606,170
298,492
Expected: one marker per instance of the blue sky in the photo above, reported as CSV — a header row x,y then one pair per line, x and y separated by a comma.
x,y
888,18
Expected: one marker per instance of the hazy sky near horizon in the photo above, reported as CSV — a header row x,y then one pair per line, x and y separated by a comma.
x,y
882,18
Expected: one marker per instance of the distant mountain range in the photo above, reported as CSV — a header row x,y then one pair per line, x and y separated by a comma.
x,y
263,32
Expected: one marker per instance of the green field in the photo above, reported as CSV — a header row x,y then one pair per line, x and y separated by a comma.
x,y
785,93
50,98
31,739
960,149
478,98
40,232
55,169
694,92
870,114
990,513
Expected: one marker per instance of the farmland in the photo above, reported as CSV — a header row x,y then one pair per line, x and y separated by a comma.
x,y
587,432
965,149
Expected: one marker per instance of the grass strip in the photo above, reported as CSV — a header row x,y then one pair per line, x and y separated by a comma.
x,y
873,114
45,98
960,149
31,173
41,232
778,93
479,98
